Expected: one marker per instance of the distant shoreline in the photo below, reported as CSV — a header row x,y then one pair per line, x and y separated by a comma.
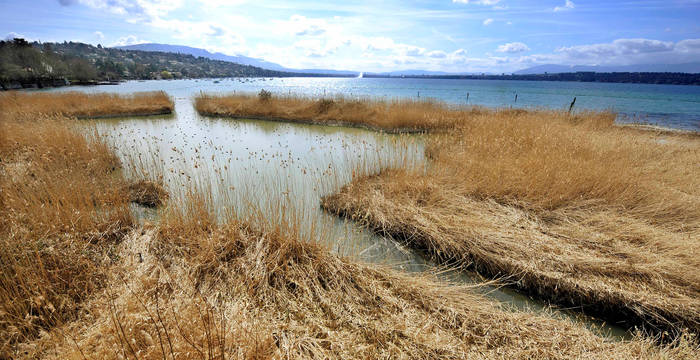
x,y
610,78
613,77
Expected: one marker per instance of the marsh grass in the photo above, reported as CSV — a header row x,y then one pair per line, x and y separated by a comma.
x,y
80,281
194,287
63,207
83,105
147,193
571,209
61,214
395,115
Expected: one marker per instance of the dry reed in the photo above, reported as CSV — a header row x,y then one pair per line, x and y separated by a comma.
x,y
571,209
190,288
147,193
396,115
63,206
60,215
74,286
82,105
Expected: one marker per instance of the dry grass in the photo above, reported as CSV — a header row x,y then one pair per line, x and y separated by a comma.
x,y
574,210
82,105
63,209
192,289
78,281
147,193
398,115
60,215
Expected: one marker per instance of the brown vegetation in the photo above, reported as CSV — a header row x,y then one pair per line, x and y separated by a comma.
x,y
82,105
147,193
77,280
569,208
193,289
60,216
398,115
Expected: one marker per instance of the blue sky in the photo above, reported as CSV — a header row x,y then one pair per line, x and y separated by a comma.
x,y
447,35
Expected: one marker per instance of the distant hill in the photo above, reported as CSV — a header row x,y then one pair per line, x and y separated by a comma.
x,y
196,52
31,64
414,72
239,59
690,68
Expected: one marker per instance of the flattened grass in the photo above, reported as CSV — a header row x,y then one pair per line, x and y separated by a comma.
x,y
190,288
570,208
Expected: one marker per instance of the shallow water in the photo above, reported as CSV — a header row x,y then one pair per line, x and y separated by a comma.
x,y
676,106
280,171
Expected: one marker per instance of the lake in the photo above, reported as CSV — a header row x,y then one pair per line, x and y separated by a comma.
x,y
675,106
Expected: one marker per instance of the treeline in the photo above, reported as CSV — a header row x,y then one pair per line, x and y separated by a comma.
x,y
32,64
614,77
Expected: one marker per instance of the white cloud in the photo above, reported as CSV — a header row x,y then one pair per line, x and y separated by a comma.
x,y
488,21
618,47
128,40
139,9
688,46
514,47
478,2
568,5
13,35
99,35
437,54
303,26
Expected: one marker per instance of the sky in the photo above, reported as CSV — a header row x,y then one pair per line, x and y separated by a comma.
x,y
442,35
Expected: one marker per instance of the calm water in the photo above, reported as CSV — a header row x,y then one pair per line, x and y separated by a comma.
x,y
281,170
674,106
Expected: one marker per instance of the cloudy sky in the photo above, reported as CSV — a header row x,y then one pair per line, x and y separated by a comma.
x,y
447,35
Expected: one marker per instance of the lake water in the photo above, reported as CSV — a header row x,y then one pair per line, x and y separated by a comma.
x,y
280,171
676,106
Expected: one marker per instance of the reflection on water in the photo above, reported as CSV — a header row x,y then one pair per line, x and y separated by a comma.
x,y
281,170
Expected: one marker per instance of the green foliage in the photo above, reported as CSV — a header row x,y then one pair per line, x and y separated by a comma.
x,y
22,62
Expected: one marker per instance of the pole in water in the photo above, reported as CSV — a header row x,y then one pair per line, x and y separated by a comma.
x,y
571,107
419,94
467,98
516,97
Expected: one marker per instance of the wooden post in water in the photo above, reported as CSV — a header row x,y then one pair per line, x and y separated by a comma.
x,y
467,98
571,107
419,94
516,97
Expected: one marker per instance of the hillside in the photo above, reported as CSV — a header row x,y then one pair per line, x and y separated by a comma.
x,y
187,50
24,64
240,59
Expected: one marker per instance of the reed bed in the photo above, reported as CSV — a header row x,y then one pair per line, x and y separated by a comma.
x,y
194,288
83,105
78,278
61,213
63,209
395,115
569,208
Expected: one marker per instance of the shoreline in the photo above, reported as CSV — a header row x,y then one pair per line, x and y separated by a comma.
x,y
332,123
126,115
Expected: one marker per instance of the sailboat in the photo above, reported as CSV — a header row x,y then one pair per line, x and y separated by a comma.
x,y
361,75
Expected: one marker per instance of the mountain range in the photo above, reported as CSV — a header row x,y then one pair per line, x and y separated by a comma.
x,y
240,59
539,69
